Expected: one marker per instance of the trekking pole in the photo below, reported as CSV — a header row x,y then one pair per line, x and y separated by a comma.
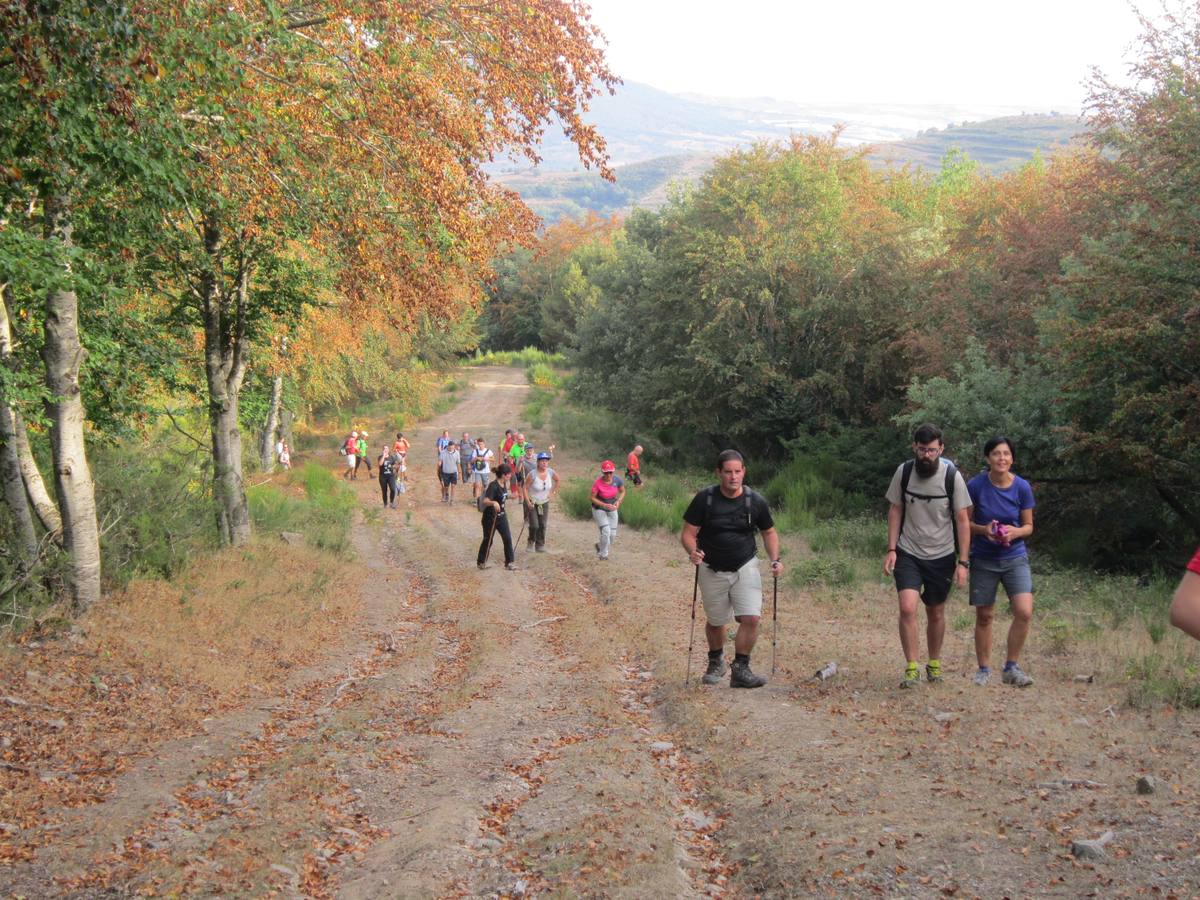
x,y
774,618
487,554
692,639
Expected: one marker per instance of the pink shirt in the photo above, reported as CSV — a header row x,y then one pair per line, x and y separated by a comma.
x,y
607,492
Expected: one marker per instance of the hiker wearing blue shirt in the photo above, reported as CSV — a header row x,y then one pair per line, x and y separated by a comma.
x,y
1001,521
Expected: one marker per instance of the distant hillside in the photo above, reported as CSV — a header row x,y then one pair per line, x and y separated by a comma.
x,y
998,145
641,123
557,195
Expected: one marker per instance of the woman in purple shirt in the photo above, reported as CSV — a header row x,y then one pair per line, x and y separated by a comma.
x,y
1001,520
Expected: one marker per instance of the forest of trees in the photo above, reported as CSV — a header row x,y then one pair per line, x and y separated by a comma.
x,y
799,299
205,203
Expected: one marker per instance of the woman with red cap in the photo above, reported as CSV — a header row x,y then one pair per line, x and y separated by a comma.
x,y
607,493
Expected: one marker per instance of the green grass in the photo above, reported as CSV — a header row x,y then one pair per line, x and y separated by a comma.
x,y
1159,678
530,356
660,504
323,515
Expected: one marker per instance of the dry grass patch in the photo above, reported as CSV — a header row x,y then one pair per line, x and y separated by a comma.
x,y
241,619
149,664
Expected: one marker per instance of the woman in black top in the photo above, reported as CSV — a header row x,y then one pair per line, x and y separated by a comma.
x,y
494,520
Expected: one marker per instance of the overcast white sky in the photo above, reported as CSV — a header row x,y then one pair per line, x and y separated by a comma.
x,y
1032,53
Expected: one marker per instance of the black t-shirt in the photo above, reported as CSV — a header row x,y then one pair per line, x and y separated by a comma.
x,y
494,491
727,528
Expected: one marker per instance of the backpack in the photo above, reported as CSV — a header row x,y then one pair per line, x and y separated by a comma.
x,y
746,492
906,475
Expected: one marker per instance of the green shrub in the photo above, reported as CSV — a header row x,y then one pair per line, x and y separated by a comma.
x,y
661,504
154,505
1158,678
530,356
828,570
861,536
323,516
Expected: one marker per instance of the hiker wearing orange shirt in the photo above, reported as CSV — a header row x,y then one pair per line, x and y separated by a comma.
x,y
633,467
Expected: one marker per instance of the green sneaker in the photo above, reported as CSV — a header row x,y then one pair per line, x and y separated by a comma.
x,y
912,677
933,671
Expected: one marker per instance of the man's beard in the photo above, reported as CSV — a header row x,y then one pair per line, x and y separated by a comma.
x,y
927,467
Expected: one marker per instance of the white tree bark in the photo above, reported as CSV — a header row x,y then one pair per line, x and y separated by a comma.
x,y
225,369
10,467
267,449
35,485
16,446
62,354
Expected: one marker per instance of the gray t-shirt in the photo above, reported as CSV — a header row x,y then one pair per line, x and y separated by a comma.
x,y
927,531
450,460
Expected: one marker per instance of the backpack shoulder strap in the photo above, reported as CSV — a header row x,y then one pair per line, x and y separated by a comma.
x,y
708,495
905,476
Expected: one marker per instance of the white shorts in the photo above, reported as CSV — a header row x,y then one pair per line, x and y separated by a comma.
x,y
351,460
729,594
481,477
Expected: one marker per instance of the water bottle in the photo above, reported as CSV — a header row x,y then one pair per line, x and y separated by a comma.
x,y
827,672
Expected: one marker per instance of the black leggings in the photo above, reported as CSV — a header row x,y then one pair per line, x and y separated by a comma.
x,y
489,517
387,486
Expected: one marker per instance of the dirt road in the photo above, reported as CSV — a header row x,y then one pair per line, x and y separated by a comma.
x,y
495,733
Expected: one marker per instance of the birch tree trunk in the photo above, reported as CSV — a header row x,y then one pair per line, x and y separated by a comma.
x,y
267,450
225,369
35,486
16,442
10,466
63,355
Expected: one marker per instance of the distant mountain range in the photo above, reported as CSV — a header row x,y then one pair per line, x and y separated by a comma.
x,y
655,137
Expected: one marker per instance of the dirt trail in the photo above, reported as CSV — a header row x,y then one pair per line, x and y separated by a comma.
x,y
495,733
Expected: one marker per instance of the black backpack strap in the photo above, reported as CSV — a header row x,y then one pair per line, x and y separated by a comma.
x,y
747,493
708,495
950,473
905,476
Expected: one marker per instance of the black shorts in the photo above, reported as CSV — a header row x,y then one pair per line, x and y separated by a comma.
x,y
932,577
448,478
635,477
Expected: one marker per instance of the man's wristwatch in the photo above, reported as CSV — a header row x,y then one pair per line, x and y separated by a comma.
x,y
965,563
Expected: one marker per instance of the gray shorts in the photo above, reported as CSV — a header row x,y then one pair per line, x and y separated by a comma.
x,y
989,574
729,594
481,478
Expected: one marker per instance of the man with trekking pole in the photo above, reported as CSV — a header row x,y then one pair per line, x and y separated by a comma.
x,y
718,535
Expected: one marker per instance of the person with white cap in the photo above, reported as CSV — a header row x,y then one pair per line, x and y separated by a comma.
x,y
540,485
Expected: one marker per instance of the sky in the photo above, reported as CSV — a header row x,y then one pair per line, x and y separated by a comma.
x,y
1034,54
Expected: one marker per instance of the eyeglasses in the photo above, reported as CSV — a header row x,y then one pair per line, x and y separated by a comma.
x,y
928,451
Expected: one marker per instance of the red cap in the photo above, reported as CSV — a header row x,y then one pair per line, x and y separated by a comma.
x,y
607,466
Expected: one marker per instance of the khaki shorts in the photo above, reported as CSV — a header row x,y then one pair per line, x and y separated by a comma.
x,y
729,594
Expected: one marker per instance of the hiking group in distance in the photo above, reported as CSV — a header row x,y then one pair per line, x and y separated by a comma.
x,y
942,531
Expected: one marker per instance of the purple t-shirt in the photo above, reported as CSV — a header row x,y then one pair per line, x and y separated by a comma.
x,y
1005,506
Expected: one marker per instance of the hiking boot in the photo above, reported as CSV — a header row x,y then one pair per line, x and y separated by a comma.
x,y
512,567
1016,677
740,676
933,671
540,548
715,671
982,677
482,565
912,677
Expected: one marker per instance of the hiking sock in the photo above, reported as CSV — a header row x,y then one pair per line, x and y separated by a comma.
x,y
715,654
1009,665
911,667
987,669
741,659
934,666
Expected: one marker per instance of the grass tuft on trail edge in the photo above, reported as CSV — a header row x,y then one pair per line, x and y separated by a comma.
x,y
313,502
